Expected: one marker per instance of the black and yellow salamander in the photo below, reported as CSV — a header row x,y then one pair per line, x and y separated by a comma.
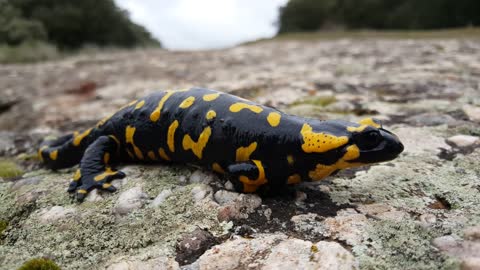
x,y
253,145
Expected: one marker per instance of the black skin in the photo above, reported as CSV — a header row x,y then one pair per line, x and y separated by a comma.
x,y
278,152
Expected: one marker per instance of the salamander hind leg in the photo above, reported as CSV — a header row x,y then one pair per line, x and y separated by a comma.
x,y
96,168
247,176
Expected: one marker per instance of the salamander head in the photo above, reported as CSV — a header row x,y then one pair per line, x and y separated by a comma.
x,y
343,145
375,143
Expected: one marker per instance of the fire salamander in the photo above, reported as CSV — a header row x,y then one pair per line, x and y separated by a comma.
x,y
253,145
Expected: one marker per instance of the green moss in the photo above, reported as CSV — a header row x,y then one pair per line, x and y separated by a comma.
x,y
401,245
39,264
3,226
321,101
9,169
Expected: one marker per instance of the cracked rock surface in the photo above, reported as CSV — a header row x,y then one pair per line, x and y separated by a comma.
x,y
419,211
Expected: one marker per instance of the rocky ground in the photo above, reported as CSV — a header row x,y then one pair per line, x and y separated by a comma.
x,y
420,211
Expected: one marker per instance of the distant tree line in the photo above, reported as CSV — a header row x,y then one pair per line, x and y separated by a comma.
x,y
70,24
312,15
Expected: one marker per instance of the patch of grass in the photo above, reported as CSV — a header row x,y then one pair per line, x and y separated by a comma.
x,y
3,226
456,33
9,169
28,52
321,101
39,264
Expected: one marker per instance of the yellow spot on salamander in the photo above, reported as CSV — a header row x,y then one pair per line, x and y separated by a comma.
x,y
217,168
211,97
139,104
320,142
163,154
54,155
77,175
106,185
273,119
294,179
370,122
155,115
250,185
108,171
104,120
82,191
106,158
40,156
187,102
171,135
290,160
151,155
79,137
210,115
197,147
236,107
129,132
357,129
243,153
321,171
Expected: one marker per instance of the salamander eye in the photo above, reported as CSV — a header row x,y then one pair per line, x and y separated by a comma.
x,y
369,140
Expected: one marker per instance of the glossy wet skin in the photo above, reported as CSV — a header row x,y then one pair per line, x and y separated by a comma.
x,y
252,145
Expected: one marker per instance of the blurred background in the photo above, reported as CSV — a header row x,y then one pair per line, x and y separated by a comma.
x,y
59,25
413,64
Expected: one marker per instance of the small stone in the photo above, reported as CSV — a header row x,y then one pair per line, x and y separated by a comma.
x,y
201,192
55,213
130,200
193,245
223,197
427,219
161,198
347,226
94,196
300,196
462,141
237,206
229,186
472,112
199,176
447,243
472,233
24,182
431,119
470,263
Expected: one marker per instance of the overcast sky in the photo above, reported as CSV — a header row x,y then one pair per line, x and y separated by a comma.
x,y
205,24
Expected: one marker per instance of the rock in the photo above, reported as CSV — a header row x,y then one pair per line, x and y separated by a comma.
x,y
310,225
55,213
447,243
470,263
163,263
194,244
201,192
236,206
431,119
472,112
347,226
161,198
24,182
199,176
463,141
229,186
94,196
472,233
427,219
276,251
130,200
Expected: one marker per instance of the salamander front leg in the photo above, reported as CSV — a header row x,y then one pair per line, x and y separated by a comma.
x,y
95,168
247,176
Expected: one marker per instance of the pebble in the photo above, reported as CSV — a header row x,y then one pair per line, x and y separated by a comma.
x,y
462,141
472,112
201,192
199,176
161,197
24,182
236,206
194,244
55,213
130,200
